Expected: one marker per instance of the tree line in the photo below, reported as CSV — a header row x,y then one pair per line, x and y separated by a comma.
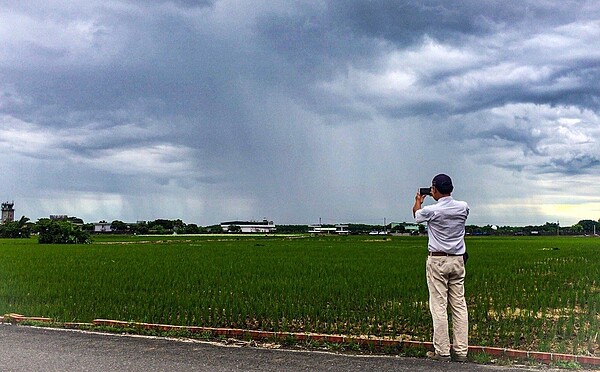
x,y
583,227
74,230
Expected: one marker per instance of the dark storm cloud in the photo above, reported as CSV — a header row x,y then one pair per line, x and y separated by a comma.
x,y
405,23
320,42
184,3
402,23
572,165
516,136
234,108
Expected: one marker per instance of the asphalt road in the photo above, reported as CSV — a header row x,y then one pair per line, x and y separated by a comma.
x,y
29,349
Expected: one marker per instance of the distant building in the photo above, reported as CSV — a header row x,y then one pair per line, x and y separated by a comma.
x,y
410,227
337,229
263,226
102,227
63,217
406,228
59,217
8,212
377,232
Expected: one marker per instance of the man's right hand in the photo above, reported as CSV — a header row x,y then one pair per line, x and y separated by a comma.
x,y
418,202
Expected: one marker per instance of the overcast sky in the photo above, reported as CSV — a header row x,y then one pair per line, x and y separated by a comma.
x,y
298,110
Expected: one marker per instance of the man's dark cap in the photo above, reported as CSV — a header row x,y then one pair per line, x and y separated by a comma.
x,y
443,183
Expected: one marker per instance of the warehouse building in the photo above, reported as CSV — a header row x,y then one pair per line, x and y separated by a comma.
x,y
263,226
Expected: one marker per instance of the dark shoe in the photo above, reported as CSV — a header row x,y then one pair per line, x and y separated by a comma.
x,y
460,358
440,358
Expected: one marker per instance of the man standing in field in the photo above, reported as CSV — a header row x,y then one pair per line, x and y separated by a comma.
x,y
445,267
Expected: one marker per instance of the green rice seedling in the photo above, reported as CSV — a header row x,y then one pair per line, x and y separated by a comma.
x,y
564,364
480,358
519,294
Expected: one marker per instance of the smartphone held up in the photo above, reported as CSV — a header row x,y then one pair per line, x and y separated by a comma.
x,y
425,191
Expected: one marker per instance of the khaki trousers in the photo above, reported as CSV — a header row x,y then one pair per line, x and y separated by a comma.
x,y
445,280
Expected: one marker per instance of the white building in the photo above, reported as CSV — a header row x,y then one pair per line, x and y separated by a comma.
x,y
337,229
377,232
265,226
102,227
411,227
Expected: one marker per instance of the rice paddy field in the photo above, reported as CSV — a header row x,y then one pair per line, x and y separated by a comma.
x,y
528,293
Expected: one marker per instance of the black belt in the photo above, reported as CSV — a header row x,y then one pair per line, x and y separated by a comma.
x,y
443,254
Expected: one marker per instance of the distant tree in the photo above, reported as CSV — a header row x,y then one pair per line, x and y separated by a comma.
x,y
214,229
118,226
178,225
162,225
192,229
158,229
61,232
16,229
588,226
399,229
75,220
140,228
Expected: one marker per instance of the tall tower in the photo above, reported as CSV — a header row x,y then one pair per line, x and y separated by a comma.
x,y
8,212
